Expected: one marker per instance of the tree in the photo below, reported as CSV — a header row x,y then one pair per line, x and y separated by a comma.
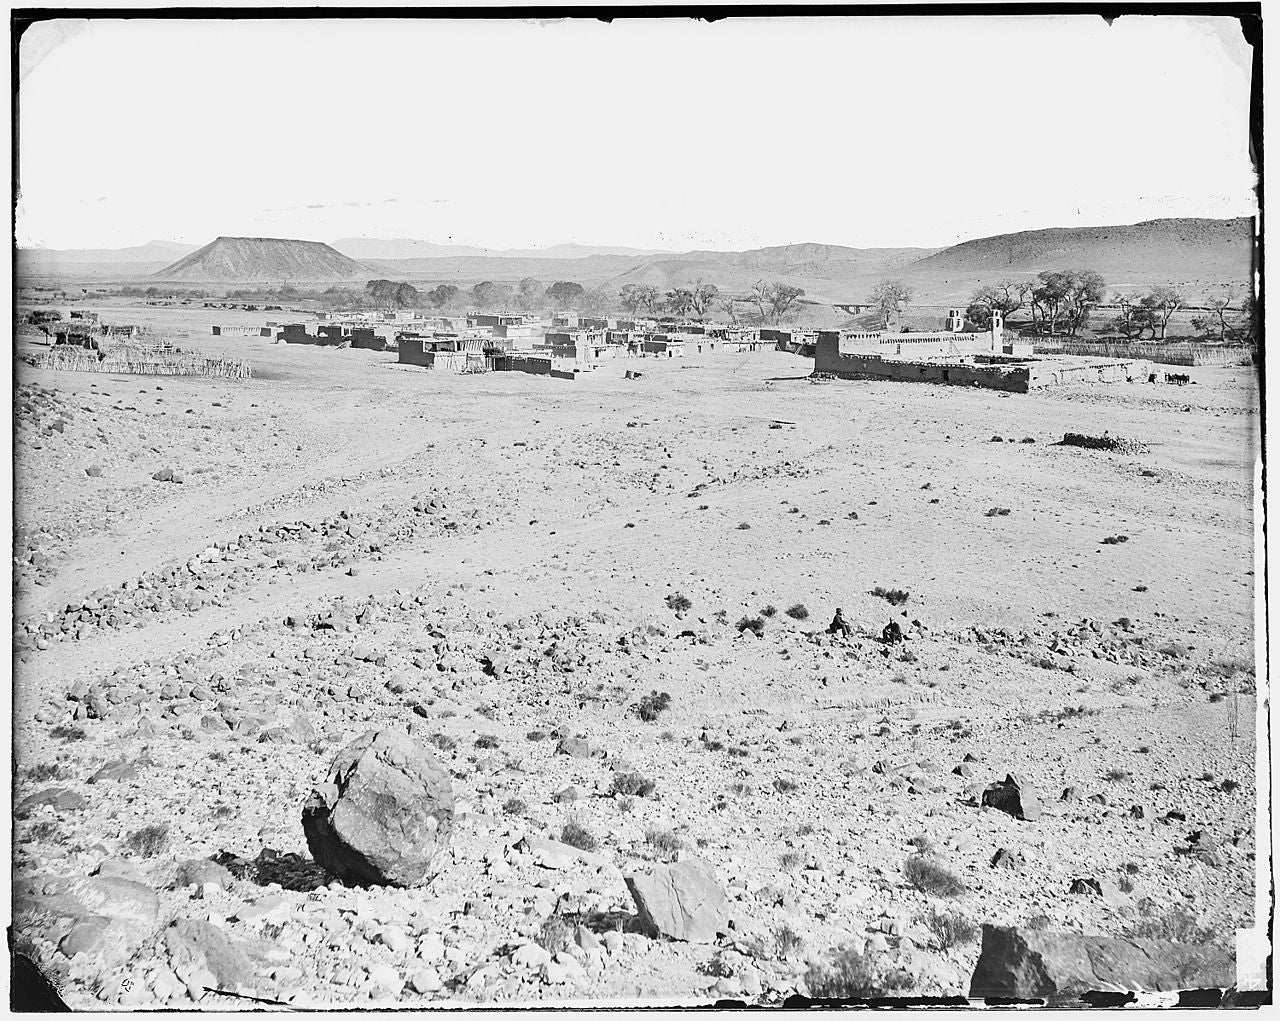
x,y
889,296
488,295
1219,305
702,297
1085,291
565,292
774,301
635,297
1162,302
729,306
680,301
442,295
599,300
530,294
1005,296
399,295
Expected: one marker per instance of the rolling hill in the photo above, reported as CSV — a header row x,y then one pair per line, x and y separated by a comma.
x,y
135,261
1192,253
264,260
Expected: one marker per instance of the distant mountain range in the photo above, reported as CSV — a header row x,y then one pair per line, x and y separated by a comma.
x,y
408,248
1196,254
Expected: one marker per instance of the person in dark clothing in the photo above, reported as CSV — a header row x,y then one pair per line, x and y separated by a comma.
x,y
839,626
892,633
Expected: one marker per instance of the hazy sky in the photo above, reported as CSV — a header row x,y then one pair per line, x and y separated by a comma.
x,y
657,134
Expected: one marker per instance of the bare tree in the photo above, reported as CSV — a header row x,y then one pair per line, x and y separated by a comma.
x,y
889,296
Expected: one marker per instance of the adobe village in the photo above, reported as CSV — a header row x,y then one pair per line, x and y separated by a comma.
x,y
401,630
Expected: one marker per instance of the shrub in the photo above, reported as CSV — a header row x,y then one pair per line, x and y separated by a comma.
x,y
789,861
848,977
1227,786
1028,439
1116,775
713,746
1125,884
952,929
632,783
1113,540
921,843
769,611
42,832
535,735
893,596
1039,922
738,752
486,741
678,602
556,935
797,612
663,841
930,876
753,624
742,526
999,512
784,786
66,733
652,705
515,806
1176,924
149,841
42,772
576,835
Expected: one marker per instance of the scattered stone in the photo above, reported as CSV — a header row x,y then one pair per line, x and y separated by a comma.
x,y
384,814
681,901
1061,967
60,799
1013,795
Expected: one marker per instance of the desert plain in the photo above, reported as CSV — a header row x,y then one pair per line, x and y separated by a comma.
x,y
502,564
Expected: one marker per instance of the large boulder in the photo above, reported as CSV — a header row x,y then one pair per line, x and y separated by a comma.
x,y
1060,967
681,901
384,813
1014,795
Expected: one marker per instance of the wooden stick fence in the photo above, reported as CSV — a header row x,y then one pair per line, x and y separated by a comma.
x,y
144,363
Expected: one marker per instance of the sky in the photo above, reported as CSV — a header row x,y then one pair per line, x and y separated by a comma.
x,y
663,134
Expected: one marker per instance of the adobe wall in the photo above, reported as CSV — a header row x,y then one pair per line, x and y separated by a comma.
x,y
830,359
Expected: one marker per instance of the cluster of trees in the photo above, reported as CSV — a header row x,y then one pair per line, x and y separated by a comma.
x,y
1058,300
389,292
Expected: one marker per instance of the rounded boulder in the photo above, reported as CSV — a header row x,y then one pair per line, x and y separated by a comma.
x,y
384,814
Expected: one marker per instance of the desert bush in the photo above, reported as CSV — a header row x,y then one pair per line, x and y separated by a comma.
x,y
1178,924
556,935
929,875
848,977
742,526
784,786
443,741
1039,922
42,772
1125,884
1116,775
652,705
753,624
148,841
663,841
514,806
43,832
740,787
797,612
999,512
678,602
63,732
893,596
713,746
952,929
486,741
789,861
632,783
576,835
1227,786
535,735
769,611
1114,540
921,843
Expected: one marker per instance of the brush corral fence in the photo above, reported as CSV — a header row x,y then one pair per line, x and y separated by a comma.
x,y
1165,354
143,360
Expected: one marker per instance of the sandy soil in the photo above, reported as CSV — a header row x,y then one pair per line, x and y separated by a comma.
x,y
799,765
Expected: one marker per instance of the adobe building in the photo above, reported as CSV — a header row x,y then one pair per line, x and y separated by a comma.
x,y
960,356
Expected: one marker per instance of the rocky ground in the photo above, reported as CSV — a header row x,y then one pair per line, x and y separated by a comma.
x,y
222,584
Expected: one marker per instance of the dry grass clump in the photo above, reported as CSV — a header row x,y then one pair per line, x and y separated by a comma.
x,y
952,929
784,786
1178,924
632,784
893,596
1114,540
443,741
928,875
797,612
679,602
663,841
769,611
42,772
556,935
848,977
999,512
486,741
63,732
753,624
514,806
576,835
148,841
653,705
